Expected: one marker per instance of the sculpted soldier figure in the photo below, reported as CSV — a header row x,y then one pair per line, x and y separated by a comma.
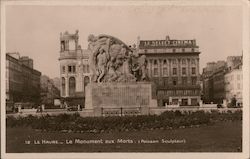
x,y
101,64
95,45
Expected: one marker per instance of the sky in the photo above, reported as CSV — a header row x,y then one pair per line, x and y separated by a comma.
x,y
34,31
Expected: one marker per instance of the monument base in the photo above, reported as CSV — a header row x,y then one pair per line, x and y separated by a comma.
x,y
119,98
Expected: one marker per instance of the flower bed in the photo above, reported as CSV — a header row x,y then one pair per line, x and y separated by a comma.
x,y
167,120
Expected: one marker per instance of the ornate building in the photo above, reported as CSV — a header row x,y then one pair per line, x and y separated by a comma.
x,y
173,65
74,66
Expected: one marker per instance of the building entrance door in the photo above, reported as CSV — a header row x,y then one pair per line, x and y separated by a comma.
x,y
184,102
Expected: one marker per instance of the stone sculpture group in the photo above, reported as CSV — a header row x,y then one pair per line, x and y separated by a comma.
x,y
112,60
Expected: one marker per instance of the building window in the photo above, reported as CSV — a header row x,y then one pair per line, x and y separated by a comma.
x,y
184,102
88,69
161,82
63,69
165,71
73,69
155,71
63,86
165,81
184,80
62,45
175,101
84,68
164,62
183,61
184,92
69,69
193,70
155,62
174,61
174,50
174,71
174,82
184,71
183,50
192,92
194,101
194,81
193,61
72,86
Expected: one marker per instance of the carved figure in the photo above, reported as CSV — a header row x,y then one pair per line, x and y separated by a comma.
x,y
113,61
101,64
141,66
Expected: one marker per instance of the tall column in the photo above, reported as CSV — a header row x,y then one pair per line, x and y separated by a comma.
x,y
169,72
198,69
79,83
188,71
160,67
189,100
66,86
61,88
151,68
179,70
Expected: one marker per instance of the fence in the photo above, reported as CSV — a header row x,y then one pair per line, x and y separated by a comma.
x,y
120,111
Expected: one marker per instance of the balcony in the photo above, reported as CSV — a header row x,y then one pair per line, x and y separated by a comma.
x,y
68,55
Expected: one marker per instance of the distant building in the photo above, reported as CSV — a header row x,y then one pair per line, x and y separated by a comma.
x,y
220,80
173,66
49,91
22,81
74,67
25,60
234,81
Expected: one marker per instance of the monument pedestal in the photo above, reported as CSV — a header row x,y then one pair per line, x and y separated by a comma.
x,y
102,97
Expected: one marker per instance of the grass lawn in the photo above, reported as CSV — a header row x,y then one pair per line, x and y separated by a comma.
x,y
221,137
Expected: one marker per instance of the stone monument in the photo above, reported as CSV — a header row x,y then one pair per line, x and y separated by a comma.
x,y
119,77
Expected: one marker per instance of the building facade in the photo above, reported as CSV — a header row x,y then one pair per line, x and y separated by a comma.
x,y
234,80
219,83
173,67
74,66
222,80
22,81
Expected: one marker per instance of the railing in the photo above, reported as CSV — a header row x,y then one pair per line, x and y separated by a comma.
x,y
121,111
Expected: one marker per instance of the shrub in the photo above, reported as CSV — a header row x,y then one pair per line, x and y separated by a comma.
x,y
167,120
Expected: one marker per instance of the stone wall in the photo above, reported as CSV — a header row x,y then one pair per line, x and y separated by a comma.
x,y
117,95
